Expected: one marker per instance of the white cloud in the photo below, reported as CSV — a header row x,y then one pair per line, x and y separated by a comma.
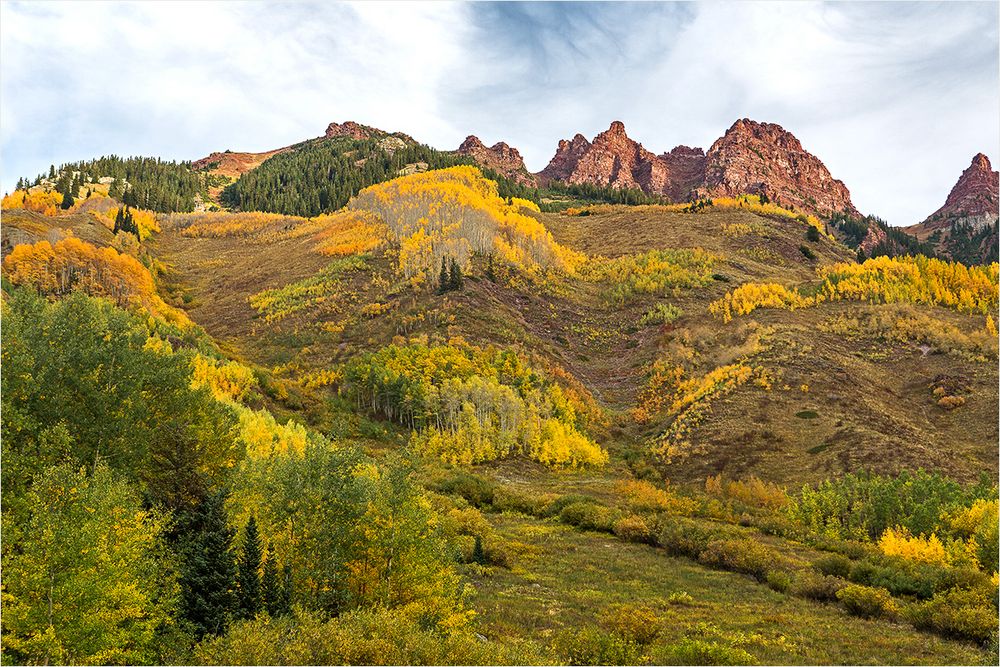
x,y
894,98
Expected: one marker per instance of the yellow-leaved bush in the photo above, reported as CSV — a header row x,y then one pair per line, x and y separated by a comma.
x,y
71,264
455,212
917,279
39,201
468,405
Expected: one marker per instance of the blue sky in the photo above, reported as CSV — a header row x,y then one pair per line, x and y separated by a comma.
x,y
895,98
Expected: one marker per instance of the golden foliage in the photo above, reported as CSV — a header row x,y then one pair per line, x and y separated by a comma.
x,y
145,221
753,491
642,496
73,264
691,402
662,384
899,542
652,272
349,233
228,380
276,304
39,201
218,224
454,212
914,280
750,296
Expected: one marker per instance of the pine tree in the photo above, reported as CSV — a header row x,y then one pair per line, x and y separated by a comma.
x,y
119,220
248,572
478,555
861,255
116,189
68,200
490,273
52,171
208,569
812,234
443,280
270,588
455,279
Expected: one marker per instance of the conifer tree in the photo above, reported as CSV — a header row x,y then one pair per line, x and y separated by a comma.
x,y
68,200
861,255
455,278
208,570
270,587
490,273
248,572
444,282
478,555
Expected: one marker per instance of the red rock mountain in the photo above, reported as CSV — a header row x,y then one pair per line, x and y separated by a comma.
x,y
965,228
754,157
750,158
611,160
499,157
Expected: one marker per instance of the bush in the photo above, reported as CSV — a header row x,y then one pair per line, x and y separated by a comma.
x,y
592,646
479,492
701,652
812,234
868,602
633,528
555,507
816,586
589,516
685,537
661,313
741,555
779,581
807,252
637,624
963,614
510,500
834,565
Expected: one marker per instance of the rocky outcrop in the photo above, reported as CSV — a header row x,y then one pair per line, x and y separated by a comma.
x,y
232,165
687,171
965,227
360,132
754,158
612,159
750,158
500,157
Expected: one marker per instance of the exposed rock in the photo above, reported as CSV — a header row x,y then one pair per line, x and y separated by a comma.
x,y
233,165
499,157
965,227
611,160
754,158
687,171
359,132
751,158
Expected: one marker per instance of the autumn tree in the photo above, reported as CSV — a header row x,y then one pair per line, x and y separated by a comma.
x,y
86,576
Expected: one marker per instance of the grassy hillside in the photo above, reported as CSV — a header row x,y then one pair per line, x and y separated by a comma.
x,y
644,390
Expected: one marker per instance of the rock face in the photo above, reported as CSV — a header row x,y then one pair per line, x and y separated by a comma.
x,y
965,227
751,158
233,165
611,160
357,131
499,157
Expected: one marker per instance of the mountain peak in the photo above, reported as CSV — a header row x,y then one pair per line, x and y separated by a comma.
x,y
500,157
353,130
981,163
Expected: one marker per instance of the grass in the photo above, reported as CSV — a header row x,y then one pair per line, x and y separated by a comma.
x,y
564,579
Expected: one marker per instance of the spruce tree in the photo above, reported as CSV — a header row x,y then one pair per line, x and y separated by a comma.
x,y
119,220
270,587
443,281
455,279
248,572
478,555
68,200
861,255
208,566
490,273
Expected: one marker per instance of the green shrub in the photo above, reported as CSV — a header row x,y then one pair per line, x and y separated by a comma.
x,y
555,507
779,581
807,252
592,646
741,555
635,623
589,516
661,313
634,528
868,602
685,537
479,492
510,500
816,586
964,614
701,652
834,565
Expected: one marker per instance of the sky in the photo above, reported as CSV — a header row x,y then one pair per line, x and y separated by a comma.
x,y
895,98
